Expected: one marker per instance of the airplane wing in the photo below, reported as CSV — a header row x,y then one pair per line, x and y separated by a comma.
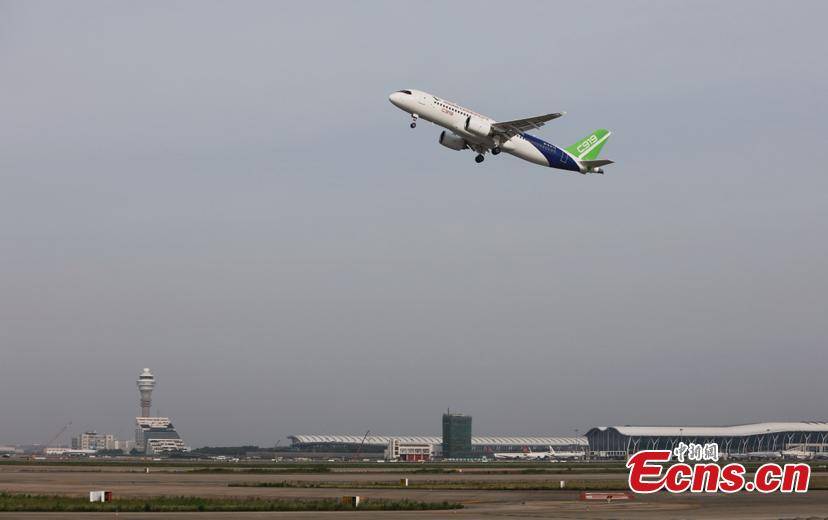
x,y
512,128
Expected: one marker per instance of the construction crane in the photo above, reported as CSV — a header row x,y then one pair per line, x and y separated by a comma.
x,y
361,444
56,436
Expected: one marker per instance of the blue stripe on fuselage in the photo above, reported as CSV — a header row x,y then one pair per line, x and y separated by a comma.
x,y
556,157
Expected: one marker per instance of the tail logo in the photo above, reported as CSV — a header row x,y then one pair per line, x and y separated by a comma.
x,y
587,143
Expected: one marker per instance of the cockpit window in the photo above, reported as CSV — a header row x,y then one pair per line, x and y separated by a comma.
x,y
405,92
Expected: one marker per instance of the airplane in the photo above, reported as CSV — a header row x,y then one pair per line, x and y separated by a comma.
x,y
566,454
799,454
528,454
764,455
466,129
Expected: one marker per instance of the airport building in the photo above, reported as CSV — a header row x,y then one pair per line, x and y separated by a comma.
x,y
481,446
94,441
748,440
409,451
146,384
125,445
457,436
7,451
457,442
154,435
761,440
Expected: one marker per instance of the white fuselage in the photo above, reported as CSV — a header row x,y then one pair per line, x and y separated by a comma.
x,y
797,454
540,455
452,117
529,455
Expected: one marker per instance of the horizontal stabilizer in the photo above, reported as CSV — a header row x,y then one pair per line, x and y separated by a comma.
x,y
596,164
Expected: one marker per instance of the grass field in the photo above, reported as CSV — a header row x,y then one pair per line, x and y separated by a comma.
x,y
550,485
430,467
258,470
492,467
613,484
47,503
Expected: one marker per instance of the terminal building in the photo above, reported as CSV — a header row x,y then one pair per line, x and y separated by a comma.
x,y
481,446
7,451
457,442
760,440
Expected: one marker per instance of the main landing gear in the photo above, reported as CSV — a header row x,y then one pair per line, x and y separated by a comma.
x,y
479,158
495,150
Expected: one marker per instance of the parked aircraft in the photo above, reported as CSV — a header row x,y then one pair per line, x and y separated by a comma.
x,y
528,454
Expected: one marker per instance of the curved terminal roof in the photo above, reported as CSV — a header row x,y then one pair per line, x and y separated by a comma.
x,y
741,430
382,440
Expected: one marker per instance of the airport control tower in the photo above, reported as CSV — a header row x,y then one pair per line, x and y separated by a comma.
x,y
146,382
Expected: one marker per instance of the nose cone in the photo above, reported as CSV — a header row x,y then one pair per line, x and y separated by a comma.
x,y
396,99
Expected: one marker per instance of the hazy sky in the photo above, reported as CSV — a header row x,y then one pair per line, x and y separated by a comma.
x,y
222,192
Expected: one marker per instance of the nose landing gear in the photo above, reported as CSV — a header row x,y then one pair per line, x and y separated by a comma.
x,y
413,121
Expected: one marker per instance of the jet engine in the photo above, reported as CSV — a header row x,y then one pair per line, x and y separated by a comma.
x,y
477,126
452,140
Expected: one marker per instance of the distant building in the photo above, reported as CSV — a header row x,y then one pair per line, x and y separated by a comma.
x,y
481,446
457,436
763,440
94,441
124,445
409,451
154,435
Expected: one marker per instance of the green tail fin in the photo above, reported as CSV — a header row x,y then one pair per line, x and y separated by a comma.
x,y
590,146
